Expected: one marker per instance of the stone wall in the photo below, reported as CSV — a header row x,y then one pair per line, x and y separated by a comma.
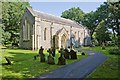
x,y
27,44
52,28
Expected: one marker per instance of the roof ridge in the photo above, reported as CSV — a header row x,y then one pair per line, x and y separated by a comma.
x,y
54,18
53,15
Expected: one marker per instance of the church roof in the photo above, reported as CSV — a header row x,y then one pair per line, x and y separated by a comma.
x,y
54,18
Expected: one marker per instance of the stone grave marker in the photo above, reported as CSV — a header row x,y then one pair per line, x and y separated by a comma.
x,y
42,56
8,61
35,57
73,54
83,53
53,52
61,59
50,57
66,54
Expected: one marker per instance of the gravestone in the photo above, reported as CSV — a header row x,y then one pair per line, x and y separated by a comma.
x,y
42,56
8,61
83,53
66,54
73,54
50,57
35,57
61,59
53,52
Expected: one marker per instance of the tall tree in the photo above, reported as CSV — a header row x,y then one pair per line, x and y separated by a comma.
x,y
75,14
90,22
11,17
114,18
92,19
102,33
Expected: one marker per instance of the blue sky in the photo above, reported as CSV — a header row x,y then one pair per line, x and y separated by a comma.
x,y
56,8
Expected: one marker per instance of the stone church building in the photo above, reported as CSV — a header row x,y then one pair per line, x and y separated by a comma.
x,y
46,30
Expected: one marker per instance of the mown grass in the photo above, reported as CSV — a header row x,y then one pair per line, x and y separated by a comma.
x,y
109,69
24,66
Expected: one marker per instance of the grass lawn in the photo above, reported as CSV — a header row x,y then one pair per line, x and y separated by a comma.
x,y
109,69
24,65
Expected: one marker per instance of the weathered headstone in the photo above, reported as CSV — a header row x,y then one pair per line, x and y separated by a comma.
x,y
83,53
61,59
8,61
53,52
73,54
50,57
42,56
66,54
35,57
41,50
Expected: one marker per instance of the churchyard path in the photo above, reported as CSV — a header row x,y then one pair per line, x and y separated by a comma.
x,y
78,70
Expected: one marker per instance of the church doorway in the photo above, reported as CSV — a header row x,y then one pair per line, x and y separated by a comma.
x,y
63,41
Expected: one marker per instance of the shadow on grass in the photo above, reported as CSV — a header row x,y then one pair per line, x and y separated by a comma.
x,y
24,66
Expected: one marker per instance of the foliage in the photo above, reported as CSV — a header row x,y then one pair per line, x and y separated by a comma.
x,y
24,66
89,21
11,16
100,31
75,14
114,19
1,31
6,37
92,19
115,51
102,12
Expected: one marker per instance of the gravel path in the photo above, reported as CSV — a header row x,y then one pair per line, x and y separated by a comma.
x,y
78,70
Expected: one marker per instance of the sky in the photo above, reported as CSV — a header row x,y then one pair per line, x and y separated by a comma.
x,y
56,8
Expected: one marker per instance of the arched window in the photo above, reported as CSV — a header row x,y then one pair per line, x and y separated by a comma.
x,y
26,30
45,34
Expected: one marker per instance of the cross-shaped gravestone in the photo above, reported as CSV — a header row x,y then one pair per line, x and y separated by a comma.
x,y
50,57
42,56
61,59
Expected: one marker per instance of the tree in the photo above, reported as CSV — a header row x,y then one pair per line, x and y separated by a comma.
x,y
102,33
90,21
102,12
75,14
114,19
11,17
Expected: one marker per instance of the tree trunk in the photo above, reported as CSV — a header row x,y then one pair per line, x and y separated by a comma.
x,y
118,33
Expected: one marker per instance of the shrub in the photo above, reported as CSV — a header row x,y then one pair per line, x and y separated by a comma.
x,y
115,51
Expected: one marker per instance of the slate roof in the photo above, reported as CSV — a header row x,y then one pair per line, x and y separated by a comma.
x,y
54,18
